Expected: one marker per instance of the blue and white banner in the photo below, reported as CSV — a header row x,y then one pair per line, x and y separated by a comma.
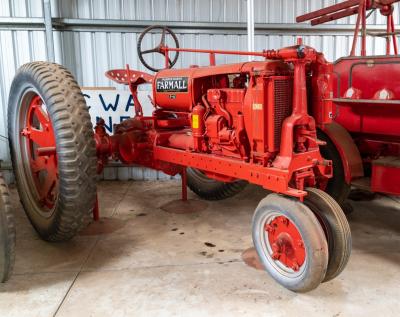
x,y
114,105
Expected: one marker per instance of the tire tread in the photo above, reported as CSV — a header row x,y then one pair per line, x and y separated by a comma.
x,y
209,189
7,232
336,263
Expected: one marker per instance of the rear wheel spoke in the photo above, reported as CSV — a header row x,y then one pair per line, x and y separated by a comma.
x,y
42,116
42,138
48,186
38,164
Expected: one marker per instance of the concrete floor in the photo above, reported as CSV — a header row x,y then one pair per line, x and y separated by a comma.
x,y
143,261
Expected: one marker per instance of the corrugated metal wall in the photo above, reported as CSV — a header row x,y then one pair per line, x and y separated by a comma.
x,y
90,52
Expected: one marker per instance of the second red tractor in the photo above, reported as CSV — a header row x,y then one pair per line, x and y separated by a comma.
x,y
364,140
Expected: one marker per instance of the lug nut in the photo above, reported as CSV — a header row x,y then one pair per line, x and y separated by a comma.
x,y
295,266
285,221
276,255
269,228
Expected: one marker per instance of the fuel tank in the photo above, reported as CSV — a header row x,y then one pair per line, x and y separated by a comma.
x,y
172,89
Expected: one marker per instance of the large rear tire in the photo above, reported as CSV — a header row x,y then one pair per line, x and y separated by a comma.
x,y
7,233
52,149
290,243
337,186
210,189
336,228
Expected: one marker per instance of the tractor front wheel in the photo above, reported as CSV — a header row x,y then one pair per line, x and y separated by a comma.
x,y
290,243
52,149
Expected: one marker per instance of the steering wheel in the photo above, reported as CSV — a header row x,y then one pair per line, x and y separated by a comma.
x,y
158,48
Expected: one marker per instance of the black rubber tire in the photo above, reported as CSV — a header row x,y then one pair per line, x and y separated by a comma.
x,y
7,233
210,189
336,228
337,186
75,148
312,235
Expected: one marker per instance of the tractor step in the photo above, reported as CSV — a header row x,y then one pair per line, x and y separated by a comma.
x,y
363,183
388,161
386,175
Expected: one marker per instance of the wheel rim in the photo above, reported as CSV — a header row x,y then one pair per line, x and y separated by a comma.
x,y
283,245
38,152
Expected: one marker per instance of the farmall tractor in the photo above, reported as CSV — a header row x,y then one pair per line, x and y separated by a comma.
x,y
364,141
219,126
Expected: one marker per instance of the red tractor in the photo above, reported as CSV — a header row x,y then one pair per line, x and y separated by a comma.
x,y
219,126
364,141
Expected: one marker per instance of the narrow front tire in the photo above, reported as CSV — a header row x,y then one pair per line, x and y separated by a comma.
x,y
290,243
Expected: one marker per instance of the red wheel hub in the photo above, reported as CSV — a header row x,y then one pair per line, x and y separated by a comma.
x,y
286,243
41,151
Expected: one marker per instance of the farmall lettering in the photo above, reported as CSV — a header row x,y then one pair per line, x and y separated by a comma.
x,y
172,84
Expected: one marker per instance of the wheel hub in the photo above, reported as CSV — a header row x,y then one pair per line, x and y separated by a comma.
x,y
286,243
38,135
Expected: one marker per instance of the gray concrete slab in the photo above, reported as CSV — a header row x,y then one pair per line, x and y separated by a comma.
x,y
140,260
34,294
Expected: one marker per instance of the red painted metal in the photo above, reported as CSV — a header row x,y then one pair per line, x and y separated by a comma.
x,y
348,151
96,209
240,121
359,7
39,139
286,242
367,101
386,175
375,110
184,184
322,12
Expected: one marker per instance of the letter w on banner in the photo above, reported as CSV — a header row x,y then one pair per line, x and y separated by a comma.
x,y
114,105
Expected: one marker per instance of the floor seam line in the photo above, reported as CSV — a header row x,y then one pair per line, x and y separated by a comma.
x,y
119,203
131,268
165,266
76,277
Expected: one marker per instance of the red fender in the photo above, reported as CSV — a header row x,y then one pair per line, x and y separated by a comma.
x,y
348,151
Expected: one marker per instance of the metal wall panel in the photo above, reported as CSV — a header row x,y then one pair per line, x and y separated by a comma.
x,y
266,11
90,53
161,10
21,8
